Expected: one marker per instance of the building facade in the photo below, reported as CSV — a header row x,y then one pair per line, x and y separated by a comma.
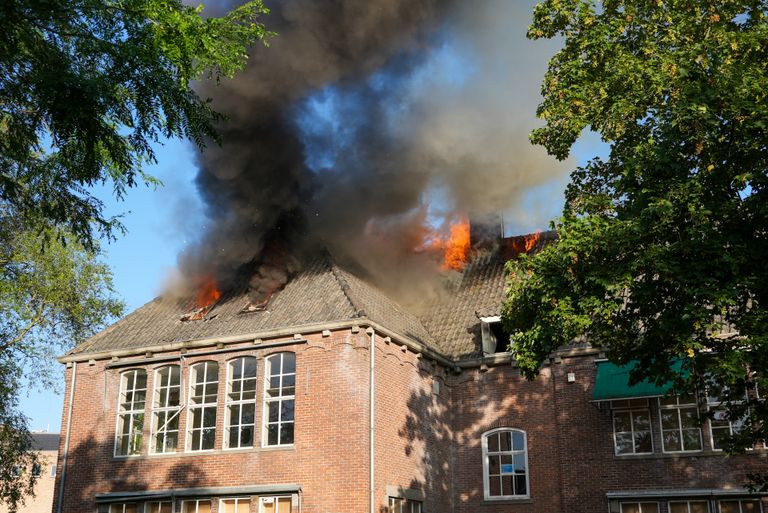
x,y
336,399
47,445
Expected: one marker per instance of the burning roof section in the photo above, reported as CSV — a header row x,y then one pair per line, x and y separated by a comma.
x,y
321,292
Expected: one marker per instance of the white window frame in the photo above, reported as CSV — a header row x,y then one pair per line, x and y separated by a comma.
x,y
639,505
197,503
237,500
406,505
740,501
119,507
715,404
239,402
130,414
170,411
486,471
616,406
275,498
677,407
148,505
279,399
203,406
688,504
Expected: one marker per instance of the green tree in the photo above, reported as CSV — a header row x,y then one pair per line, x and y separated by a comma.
x,y
663,245
53,294
86,88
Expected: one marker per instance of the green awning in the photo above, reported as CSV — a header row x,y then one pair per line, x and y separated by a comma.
x,y
612,382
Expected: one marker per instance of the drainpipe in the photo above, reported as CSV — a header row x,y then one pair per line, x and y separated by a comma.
x,y
59,504
372,382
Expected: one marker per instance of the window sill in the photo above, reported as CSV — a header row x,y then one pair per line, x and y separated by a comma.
x,y
522,500
212,452
686,454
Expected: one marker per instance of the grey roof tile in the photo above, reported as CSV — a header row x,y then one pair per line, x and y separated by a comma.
x,y
325,292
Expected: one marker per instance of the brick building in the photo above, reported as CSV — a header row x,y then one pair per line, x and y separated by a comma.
x,y
336,399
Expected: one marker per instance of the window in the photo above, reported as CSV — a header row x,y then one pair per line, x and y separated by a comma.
x,y
741,506
279,389
275,505
53,471
203,394
166,409
689,507
495,339
196,506
639,507
130,412
679,424
37,470
236,505
505,464
130,507
399,505
632,426
241,402
721,426
158,507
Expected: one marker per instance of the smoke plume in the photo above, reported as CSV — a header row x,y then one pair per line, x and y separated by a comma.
x,y
364,122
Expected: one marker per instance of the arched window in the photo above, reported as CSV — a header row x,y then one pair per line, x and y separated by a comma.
x,y
166,408
203,393
241,402
505,464
279,390
130,412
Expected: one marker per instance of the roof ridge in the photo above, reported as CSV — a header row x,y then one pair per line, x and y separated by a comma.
x,y
345,287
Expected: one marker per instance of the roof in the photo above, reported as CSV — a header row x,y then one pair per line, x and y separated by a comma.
x,y
45,441
322,292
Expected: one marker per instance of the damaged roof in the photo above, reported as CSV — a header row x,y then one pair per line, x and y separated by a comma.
x,y
322,292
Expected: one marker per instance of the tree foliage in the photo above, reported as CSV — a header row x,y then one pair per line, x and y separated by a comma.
x,y
663,245
86,88
53,294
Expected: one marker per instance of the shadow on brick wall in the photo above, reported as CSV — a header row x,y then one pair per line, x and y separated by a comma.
x,y
91,468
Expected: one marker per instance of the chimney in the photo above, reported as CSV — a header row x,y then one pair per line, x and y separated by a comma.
x,y
485,230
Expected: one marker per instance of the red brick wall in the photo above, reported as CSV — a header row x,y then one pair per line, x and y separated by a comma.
x,y
424,440
329,458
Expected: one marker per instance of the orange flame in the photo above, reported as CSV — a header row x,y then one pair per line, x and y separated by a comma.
x,y
455,247
522,244
207,293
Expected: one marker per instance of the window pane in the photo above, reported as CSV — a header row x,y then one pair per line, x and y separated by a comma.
x,y
642,421
643,441
622,421
505,441
689,418
274,411
286,412
520,483
289,363
493,465
678,507
672,441
624,443
272,434
507,485
249,412
729,506
630,508
284,505
204,507
692,439
518,440
493,443
209,438
494,486
669,419
286,433
750,506
246,437
699,507
649,507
